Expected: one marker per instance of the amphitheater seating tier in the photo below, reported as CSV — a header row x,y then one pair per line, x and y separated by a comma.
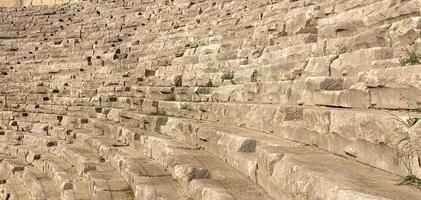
x,y
210,99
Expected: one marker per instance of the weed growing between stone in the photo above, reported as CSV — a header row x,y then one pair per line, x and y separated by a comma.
x,y
129,190
171,97
410,58
209,84
227,76
411,180
408,123
408,152
158,113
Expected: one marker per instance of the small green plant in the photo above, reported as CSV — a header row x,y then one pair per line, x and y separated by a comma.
x,y
408,123
171,97
129,190
411,180
410,58
158,113
407,151
227,76
209,84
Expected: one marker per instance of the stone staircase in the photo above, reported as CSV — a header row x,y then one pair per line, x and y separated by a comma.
x,y
210,100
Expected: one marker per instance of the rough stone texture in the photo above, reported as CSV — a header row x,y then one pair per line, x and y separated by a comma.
x,y
26,3
212,100
8,3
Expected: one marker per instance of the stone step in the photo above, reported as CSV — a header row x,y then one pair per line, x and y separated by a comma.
x,y
64,175
364,94
309,125
283,92
38,184
399,84
320,171
296,123
11,188
186,164
189,165
102,180
236,145
232,144
146,179
357,97
138,170
271,158
377,185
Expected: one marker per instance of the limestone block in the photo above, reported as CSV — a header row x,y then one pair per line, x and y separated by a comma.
x,y
245,75
208,189
173,80
58,132
204,80
244,162
149,106
386,10
267,157
175,108
319,66
38,188
146,192
344,98
12,135
114,115
403,98
308,126
394,77
8,3
343,24
404,32
151,188
288,55
367,134
245,116
283,92
325,83
284,42
294,178
129,135
39,128
223,93
237,143
6,115
352,63
155,148
373,37
188,173
13,165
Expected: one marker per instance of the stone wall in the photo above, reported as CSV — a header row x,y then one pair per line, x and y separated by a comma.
x,y
297,99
